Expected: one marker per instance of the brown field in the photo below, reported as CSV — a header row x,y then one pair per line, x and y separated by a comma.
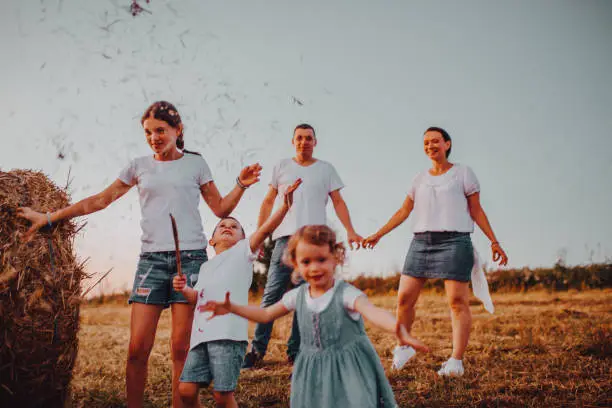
x,y
538,349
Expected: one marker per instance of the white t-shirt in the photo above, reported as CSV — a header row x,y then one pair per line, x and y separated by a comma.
x,y
166,187
230,271
440,202
309,200
317,305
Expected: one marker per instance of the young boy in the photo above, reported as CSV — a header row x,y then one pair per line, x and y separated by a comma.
x,y
218,346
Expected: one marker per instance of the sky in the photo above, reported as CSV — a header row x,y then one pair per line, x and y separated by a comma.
x,y
524,88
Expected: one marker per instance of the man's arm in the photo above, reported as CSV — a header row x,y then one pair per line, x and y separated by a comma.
x,y
345,218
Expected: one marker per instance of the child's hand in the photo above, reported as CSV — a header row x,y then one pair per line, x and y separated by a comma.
x,y
289,193
217,308
37,219
498,254
179,282
406,339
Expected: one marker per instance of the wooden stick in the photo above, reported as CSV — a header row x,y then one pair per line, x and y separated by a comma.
x,y
176,245
96,284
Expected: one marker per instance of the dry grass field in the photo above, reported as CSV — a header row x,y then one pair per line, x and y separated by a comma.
x,y
539,349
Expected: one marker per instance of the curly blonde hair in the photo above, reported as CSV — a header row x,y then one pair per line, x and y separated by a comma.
x,y
320,235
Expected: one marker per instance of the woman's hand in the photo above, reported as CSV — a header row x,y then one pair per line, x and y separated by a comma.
x,y
250,175
371,241
498,254
37,219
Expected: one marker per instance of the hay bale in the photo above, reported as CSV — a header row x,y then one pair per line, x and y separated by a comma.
x,y
39,296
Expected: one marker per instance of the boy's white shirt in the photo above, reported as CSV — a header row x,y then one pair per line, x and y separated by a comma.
x,y
230,271
309,201
317,305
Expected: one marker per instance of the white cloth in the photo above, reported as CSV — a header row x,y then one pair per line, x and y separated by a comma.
x,y
317,305
440,202
230,271
166,187
480,286
309,200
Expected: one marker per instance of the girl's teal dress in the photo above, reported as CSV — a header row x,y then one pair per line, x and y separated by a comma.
x,y
337,365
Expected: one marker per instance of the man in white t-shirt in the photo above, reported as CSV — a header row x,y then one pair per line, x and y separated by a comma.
x,y
320,181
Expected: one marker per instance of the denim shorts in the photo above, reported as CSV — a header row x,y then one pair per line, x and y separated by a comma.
x,y
216,361
153,280
440,255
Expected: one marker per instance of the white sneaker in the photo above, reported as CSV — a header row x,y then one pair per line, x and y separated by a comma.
x,y
401,355
451,368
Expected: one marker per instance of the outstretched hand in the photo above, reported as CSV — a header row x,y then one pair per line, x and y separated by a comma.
x,y
37,219
250,175
289,192
406,339
217,308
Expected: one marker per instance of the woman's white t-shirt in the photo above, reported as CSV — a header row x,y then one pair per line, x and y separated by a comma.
x,y
230,271
440,202
309,201
317,305
166,187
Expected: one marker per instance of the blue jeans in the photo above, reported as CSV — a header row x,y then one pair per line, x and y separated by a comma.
x,y
153,279
279,277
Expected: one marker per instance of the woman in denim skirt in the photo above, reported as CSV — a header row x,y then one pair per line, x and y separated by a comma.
x,y
169,182
445,201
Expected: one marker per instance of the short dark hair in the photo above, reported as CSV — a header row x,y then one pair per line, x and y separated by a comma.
x,y
305,126
445,136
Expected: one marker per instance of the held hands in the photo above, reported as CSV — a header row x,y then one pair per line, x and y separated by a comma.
x,y
37,219
371,241
406,339
355,239
249,175
498,254
217,308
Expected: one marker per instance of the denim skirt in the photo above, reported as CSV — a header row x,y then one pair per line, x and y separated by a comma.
x,y
440,255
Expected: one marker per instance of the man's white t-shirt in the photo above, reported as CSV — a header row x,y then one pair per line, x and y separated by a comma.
x,y
310,199
440,202
230,271
166,187
317,305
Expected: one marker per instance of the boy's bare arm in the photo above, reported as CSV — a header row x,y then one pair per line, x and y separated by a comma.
x,y
267,228
275,220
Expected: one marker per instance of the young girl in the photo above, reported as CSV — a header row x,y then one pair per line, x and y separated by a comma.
x,y
337,366
218,346
169,181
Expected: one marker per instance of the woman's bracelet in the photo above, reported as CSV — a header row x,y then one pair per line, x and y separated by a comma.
x,y
242,186
49,219
493,243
